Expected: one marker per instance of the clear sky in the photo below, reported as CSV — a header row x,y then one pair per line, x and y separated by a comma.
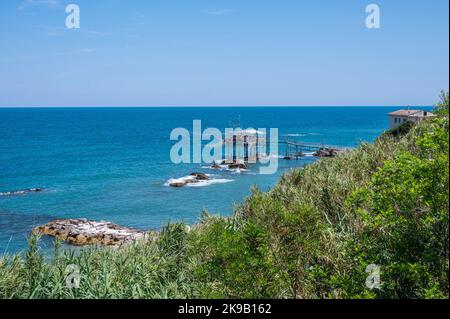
x,y
223,52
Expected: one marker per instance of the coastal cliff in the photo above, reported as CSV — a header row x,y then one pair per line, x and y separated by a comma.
x,y
317,234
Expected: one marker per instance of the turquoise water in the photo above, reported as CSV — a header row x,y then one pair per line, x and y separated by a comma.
x,y
112,163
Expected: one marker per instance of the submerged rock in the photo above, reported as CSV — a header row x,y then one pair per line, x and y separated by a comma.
x,y
83,232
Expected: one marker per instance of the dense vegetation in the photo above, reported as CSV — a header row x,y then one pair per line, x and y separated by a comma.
x,y
312,236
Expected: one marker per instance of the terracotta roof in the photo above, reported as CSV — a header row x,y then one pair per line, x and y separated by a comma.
x,y
413,113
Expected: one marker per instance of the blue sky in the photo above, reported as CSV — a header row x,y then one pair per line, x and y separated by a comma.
x,y
228,52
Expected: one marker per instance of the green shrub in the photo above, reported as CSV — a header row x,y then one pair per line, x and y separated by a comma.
x,y
401,130
404,218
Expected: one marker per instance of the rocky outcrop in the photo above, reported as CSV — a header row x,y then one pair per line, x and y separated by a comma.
x,y
22,192
237,166
200,176
326,152
191,179
83,232
178,184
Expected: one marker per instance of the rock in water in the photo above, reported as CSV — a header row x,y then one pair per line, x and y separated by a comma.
x,y
82,232
191,179
237,166
200,176
326,152
178,184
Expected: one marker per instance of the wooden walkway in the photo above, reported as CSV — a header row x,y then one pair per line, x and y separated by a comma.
x,y
297,149
292,149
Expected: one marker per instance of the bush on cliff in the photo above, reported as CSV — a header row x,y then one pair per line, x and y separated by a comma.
x,y
317,231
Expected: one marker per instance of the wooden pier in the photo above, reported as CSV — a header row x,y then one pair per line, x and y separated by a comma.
x,y
250,142
298,149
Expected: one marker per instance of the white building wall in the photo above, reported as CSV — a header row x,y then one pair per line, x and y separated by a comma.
x,y
401,120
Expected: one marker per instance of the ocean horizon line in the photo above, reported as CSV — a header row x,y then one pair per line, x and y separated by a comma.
x,y
216,107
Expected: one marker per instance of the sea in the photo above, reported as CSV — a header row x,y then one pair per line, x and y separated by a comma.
x,y
114,164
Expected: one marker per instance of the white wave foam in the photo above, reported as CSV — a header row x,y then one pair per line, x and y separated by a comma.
x,y
210,182
309,154
296,135
197,183
271,156
226,168
302,134
221,167
179,180
21,192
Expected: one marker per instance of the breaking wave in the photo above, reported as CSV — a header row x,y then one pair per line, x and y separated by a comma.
x,y
191,181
